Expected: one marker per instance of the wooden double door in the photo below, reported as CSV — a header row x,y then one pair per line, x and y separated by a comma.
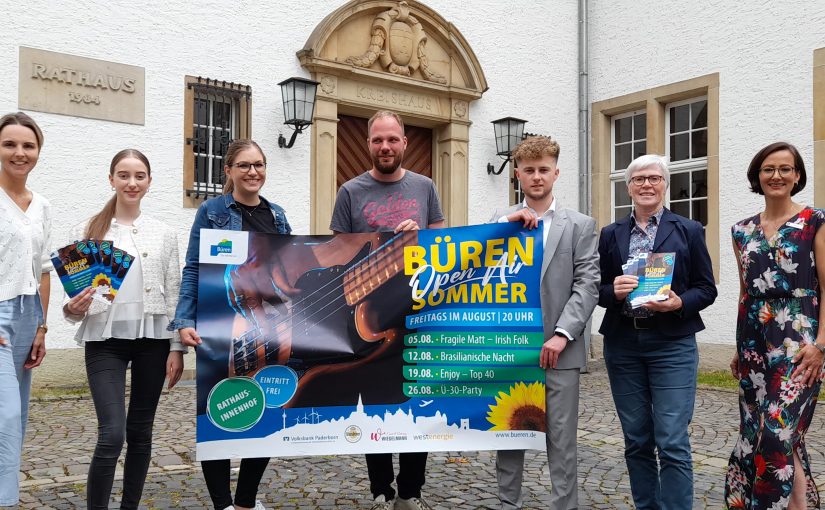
x,y
354,157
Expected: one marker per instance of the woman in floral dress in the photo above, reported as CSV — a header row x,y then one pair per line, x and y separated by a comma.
x,y
779,338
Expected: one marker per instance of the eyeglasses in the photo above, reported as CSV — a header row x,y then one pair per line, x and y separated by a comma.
x,y
769,171
639,180
245,167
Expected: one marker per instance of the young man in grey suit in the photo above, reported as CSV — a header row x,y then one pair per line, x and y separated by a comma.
x,y
569,293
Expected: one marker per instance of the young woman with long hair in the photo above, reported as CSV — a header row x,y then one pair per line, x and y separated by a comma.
x,y
241,207
131,329
25,226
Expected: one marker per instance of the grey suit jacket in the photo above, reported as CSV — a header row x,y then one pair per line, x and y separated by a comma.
x,y
569,279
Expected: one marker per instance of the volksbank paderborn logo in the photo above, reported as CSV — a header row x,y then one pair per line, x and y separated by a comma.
x,y
224,246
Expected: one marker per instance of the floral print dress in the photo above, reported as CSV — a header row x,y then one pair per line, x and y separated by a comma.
x,y
777,315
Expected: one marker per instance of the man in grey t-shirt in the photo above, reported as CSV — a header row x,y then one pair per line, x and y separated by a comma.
x,y
370,204
389,198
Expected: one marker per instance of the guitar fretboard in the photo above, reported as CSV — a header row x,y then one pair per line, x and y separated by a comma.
x,y
377,268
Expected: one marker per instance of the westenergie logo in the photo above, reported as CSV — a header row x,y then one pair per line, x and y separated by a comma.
x,y
224,246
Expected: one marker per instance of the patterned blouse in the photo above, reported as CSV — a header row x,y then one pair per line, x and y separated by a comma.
x,y
641,241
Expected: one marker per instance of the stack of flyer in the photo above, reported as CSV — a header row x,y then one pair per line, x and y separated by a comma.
x,y
92,263
655,272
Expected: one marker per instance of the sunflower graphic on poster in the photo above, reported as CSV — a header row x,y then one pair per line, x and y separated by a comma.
x,y
523,408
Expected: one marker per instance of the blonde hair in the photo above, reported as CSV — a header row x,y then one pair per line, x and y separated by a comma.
x,y
235,147
536,147
102,221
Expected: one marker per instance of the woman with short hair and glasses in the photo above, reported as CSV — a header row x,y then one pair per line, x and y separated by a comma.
x,y
650,351
241,207
780,338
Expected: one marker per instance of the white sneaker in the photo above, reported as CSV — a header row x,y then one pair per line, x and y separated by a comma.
x,y
258,506
381,503
411,504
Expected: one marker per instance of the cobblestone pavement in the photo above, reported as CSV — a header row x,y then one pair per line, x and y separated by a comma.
x,y
62,434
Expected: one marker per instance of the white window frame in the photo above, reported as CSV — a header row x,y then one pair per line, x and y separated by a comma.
x,y
618,175
686,165
668,134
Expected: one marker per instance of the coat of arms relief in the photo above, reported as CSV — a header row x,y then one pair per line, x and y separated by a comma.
x,y
399,43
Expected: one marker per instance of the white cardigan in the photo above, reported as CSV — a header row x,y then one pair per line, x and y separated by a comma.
x,y
157,244
24,245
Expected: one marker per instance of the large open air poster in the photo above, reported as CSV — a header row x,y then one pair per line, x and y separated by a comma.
x,y
361,343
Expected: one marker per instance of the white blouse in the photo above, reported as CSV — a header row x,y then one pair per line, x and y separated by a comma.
x,y
126,317
24,243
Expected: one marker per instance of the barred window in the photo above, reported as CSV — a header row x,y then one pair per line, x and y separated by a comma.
x,y
217,112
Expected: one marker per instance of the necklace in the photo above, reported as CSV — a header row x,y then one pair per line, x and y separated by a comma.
x,y
245,208
770,227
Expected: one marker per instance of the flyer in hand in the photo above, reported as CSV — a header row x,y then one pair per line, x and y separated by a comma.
x,y
91,263
655,272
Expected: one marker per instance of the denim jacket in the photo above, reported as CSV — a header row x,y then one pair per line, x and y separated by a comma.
x,y
220,213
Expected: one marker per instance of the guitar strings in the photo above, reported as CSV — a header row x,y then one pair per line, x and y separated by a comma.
x,y
357,265
306,318
377,254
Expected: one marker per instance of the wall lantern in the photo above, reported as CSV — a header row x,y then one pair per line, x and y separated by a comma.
x,y
509,132
298,95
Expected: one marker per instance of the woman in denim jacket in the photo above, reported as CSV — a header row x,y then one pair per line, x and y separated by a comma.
x,y
240,208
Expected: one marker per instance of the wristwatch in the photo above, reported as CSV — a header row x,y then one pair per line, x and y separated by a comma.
x,y
820,348
44,327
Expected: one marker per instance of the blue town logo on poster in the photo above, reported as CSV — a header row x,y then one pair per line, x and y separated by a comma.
x,y
224,246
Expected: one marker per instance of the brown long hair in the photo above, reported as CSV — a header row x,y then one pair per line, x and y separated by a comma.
x,y
102,221
21,119
229,159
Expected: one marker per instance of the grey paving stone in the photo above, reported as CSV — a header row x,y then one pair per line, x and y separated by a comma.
x,y
62,434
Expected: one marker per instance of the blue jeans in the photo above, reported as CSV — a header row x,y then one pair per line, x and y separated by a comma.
x,y
19,318
653,381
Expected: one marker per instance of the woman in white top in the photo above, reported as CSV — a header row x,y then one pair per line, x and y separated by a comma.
x,y
131,329
25,223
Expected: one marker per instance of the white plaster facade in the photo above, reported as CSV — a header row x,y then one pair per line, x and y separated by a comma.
x,y
254,43
527,50
763,52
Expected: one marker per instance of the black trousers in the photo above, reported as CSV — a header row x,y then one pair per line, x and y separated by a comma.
x,y
411,474
216,474
106,363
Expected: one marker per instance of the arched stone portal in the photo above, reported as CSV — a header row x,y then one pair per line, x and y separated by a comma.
x,y
400,56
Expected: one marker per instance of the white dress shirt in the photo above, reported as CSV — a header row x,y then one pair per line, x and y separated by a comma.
x,y
546,222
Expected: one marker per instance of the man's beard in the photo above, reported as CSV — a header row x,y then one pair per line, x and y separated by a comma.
x,y
389,168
